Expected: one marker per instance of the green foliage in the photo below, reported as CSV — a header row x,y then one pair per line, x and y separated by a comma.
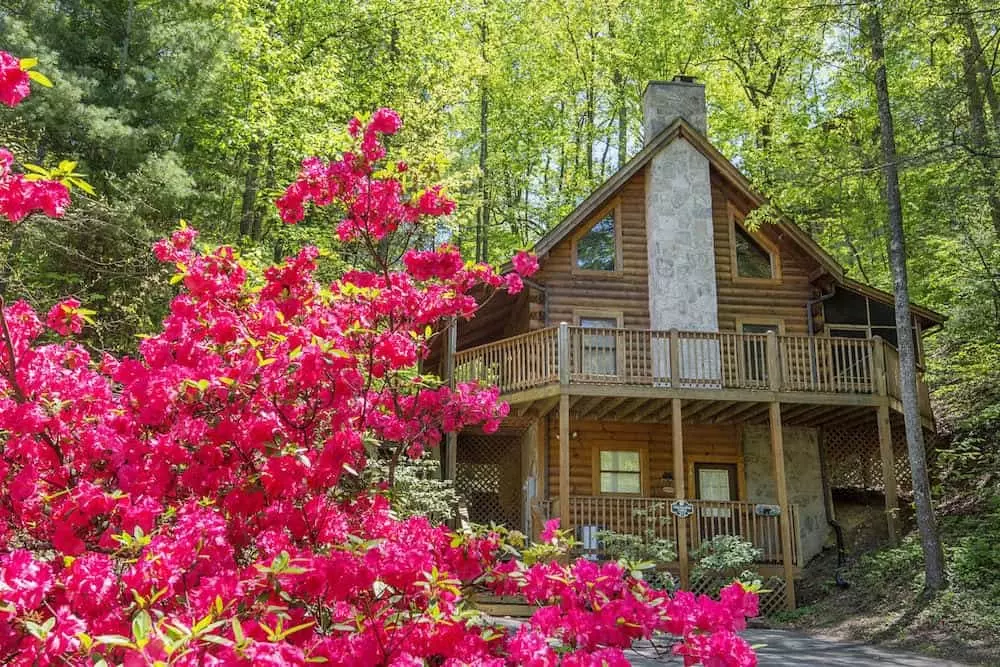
x,y
417,488
643,550
727,556
975,556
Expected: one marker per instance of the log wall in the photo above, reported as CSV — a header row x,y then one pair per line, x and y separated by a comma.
x,y
702,442
626,292
755,301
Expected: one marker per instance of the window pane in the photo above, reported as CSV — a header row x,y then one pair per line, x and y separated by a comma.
x,y
598,351
713,483
752,261
759,328
620,482
599,322
755,352
595,251
621,461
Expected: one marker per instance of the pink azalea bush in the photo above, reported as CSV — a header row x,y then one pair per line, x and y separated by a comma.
x,y
198,503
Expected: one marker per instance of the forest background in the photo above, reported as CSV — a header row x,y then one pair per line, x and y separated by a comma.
x,y
202,109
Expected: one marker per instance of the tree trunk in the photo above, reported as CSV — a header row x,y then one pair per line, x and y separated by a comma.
x,y
981,67
977,131
622,123
250,190
483,219
933,555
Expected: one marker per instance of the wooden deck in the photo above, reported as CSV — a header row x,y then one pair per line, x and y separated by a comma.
x,y
695,366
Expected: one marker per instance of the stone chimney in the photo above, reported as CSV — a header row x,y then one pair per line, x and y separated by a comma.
x,y
664,101
679,231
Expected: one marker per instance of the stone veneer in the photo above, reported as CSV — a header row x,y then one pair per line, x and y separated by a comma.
x,y
804,478
679,232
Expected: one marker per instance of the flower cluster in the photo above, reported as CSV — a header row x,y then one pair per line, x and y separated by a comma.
x,y
200,503
15,83
21,195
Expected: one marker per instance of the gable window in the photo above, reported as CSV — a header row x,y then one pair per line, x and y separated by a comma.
x,y
595,251
597,248
753,260
620,471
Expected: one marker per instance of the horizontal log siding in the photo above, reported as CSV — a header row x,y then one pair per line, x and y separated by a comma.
x,y
627,292
700,440
747,301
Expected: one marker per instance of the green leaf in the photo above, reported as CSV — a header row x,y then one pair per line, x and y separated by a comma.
x,y
142,625
67,166
28,63
38,170
40,79
83,185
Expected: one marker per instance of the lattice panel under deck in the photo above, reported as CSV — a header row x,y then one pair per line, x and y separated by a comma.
x,y
772,597
489,478
853,459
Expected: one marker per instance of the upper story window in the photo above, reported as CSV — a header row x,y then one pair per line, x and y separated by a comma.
x,y
753,260
595,251
598,247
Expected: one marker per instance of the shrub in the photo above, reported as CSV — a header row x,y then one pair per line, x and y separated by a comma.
x,y
727,557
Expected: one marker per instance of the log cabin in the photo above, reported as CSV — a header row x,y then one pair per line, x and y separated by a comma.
x,y
670,358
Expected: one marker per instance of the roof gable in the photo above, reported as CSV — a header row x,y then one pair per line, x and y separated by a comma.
x,y
681,128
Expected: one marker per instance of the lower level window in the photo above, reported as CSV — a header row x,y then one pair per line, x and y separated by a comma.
x,y
620,472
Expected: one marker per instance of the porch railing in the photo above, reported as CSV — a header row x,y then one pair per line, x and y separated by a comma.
x,y
650,518
699,360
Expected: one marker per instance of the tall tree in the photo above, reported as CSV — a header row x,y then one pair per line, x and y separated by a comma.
x,y
929,539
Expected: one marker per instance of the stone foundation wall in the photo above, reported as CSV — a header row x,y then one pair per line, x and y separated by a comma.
x,y
805,481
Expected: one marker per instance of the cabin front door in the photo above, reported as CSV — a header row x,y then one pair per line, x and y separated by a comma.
x,y
715,482
488,478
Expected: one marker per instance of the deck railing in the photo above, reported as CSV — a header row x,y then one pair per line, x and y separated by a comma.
x,y
703,360
650,518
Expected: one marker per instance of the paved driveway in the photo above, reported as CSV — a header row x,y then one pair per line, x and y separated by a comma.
x,y
785,649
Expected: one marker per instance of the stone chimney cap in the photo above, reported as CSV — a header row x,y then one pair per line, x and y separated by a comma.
x,y
663,102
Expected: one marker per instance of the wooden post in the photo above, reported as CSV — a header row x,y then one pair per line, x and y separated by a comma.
x,y
564,460
677,439
450,465
675,359
888,473
785,520
773,363
878,367
563,343
564,376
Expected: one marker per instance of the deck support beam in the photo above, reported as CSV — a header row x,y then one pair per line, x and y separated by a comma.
x,y
564,460
563,343
785,519
888,473
677,440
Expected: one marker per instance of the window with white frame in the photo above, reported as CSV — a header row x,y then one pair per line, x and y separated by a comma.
x,y
620,471
599,350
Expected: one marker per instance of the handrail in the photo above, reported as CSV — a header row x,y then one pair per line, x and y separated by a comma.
x,y
705,360
650,518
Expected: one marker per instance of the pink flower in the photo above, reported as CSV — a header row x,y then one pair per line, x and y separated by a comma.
x,y
385,121
15,84
65,317
550,531
525,263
